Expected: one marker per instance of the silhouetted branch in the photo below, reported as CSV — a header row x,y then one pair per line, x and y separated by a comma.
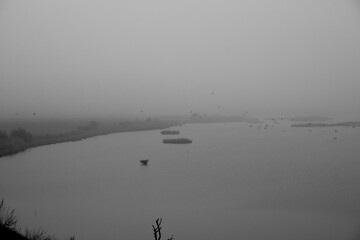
x,y
157,230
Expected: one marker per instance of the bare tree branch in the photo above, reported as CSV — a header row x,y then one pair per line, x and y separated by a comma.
x,y
157,230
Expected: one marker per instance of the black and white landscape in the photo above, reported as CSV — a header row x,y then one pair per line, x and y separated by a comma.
x,y
183,119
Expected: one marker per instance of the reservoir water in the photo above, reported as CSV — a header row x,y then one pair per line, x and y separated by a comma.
x,y
233,182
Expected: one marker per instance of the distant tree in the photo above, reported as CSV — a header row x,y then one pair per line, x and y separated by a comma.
x,y
22,134
3,135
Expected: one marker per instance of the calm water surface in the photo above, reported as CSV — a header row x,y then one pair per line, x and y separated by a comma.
x,y
233,182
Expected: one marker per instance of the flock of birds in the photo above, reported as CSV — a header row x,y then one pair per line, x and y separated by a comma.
x,y
276,122
193,115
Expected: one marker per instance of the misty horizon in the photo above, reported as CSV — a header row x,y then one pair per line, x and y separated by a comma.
x,y
114,58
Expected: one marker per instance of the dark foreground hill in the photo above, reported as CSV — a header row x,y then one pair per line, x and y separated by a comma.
x,y
9,234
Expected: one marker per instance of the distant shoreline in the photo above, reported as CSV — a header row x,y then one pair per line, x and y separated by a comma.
x,y
341,124
40,132
13,145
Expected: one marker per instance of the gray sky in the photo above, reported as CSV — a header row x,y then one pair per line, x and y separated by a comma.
x,y
167,57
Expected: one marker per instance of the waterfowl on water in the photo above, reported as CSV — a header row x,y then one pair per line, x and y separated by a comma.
x,y
144,161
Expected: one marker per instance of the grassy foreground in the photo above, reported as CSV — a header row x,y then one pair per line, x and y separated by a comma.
x,y
10,231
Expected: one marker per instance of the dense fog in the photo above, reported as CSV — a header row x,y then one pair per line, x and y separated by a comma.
x,y
173,57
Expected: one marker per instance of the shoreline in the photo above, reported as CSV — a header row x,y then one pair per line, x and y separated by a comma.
x,y
14,145
341,124
33,133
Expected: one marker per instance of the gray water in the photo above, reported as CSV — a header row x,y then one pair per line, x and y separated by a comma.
x,y
233,182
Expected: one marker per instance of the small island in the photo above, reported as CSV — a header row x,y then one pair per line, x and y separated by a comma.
x,y
341,124
310,119
169,132
177,141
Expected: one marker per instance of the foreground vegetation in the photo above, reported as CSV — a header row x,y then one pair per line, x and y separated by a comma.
x,y
10,231
20,139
